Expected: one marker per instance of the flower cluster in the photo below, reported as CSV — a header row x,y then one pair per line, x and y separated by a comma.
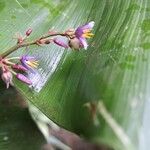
x,y
76,38
20,66
9,69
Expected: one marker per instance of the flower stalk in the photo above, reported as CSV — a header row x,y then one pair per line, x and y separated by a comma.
x,y
8,66
26,44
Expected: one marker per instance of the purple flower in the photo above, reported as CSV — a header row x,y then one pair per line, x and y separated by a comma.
x,y
84,32
7,78
60,43
23,78
29,62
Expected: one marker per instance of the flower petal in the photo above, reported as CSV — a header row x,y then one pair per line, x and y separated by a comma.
x,y
84,42
27,58
79,32
89,25
29,62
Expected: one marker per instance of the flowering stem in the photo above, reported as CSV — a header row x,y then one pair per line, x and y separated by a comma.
x,y
14,48
25,44
52,34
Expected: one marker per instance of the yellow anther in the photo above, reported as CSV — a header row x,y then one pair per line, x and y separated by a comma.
x,y
33,64
88,35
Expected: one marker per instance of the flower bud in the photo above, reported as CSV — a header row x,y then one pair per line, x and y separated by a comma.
x,y
20,40
50,32
47,41
60,43
28,32
40,42
7,78
75,43
23,78
19,67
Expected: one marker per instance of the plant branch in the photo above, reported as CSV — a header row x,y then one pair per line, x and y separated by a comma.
x,y
25,44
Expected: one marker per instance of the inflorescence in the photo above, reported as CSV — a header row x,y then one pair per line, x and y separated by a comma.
x,y
19,66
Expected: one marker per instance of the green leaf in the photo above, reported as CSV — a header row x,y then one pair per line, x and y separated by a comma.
x,y
114,70
17,129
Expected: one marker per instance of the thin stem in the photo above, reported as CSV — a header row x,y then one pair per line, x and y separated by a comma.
x,y
14,48
9,62
52,34
13,58
118,130
34,42
13,72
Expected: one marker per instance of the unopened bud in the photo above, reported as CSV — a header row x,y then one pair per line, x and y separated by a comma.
x,y
75,43
51,32
20,40
23,78
40,42
47,41
28,32
60,43
7,78
19,67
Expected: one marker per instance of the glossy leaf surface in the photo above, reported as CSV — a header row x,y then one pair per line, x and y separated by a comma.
x,y
115,68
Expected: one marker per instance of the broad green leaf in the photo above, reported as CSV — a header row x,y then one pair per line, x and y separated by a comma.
x,y
114,69
17,129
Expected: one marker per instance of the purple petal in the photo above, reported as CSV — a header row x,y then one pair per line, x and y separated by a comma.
x,y
89,25
84,42
60,43
79,32
27,58
24,60
23,78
